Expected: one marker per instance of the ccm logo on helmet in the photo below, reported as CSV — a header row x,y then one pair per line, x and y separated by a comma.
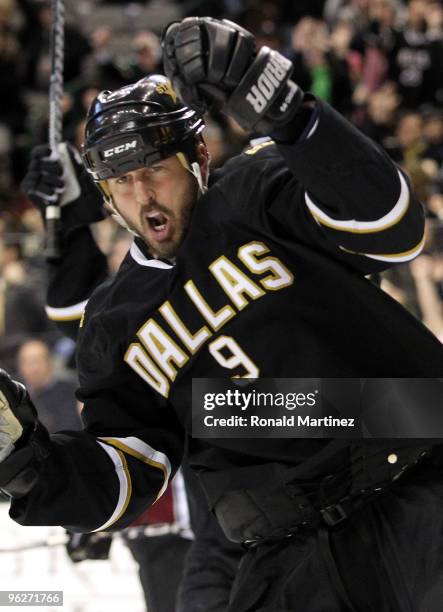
x,y
275,71
126,146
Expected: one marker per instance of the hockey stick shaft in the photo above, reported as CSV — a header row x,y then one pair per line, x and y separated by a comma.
x,y
53,223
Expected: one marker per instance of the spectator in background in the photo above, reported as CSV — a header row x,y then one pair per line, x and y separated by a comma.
x,y
20,269
435,204
54,396
423,174
74,119
12,106
146,56
427,272
35,38
381,114
433,135
434,20
142,60
101,68
21,312
419,285
415,59
371,46
409,145
320,67
11,72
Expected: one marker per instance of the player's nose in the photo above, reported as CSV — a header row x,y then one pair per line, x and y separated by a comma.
x,y
143,191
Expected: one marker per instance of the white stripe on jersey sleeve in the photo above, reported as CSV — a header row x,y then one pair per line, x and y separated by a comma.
x,y
124,478
142,451
394,257
364,227
399,257
68,313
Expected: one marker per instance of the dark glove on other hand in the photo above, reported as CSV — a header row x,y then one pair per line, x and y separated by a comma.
x,y
64,180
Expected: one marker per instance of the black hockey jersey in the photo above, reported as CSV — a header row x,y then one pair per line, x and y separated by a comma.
x,y
270,282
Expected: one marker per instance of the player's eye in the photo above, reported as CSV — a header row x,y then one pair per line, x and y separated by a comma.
x,y
121,180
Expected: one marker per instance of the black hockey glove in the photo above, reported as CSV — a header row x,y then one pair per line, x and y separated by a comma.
x,y
64,180
214,63
24,442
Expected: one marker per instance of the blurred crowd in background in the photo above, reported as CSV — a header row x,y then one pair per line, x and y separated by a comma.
x,y
379,62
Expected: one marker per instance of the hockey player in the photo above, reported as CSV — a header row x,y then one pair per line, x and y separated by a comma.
x,y
203,583
260,273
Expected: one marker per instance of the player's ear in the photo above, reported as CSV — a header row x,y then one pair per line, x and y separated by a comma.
x,y
204,159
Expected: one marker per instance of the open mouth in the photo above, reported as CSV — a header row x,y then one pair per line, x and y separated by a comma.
x,y
157,221
160,226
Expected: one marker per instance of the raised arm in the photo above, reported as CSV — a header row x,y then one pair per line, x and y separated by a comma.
x,y
82,266
353,191
356,201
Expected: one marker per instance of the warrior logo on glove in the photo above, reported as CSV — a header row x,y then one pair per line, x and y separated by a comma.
x,y
267,83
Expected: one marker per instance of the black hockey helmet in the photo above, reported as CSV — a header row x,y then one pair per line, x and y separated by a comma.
x,y
136,125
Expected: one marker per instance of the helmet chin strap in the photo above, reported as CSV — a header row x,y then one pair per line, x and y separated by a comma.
x,y
103,186
119,219
195,170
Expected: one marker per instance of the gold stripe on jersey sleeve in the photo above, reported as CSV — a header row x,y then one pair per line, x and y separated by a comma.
x,y
66,318
137,455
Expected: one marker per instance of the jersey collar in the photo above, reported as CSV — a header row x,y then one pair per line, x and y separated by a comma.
x,y
140,254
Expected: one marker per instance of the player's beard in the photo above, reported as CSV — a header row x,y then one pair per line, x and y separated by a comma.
x,y
179,220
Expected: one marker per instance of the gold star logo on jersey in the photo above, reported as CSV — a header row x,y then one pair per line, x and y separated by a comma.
x,y
166,88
